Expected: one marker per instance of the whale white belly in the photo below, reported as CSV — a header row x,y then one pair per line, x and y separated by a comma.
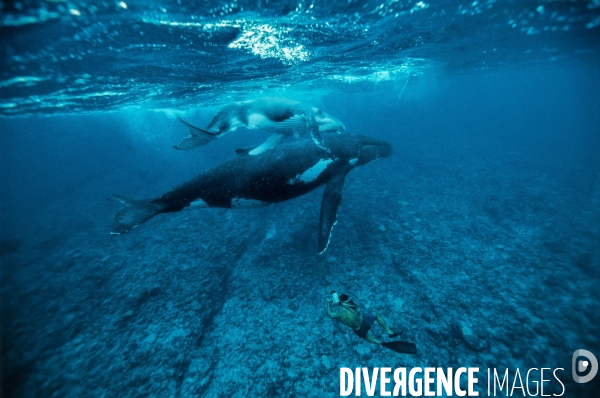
x,y
259,121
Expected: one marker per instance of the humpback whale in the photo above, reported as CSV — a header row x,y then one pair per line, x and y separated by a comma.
x,y
283,117
289,170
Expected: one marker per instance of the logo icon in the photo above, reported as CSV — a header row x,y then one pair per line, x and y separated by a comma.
x,y
583,365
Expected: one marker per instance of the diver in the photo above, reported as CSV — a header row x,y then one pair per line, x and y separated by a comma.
x,y
360,323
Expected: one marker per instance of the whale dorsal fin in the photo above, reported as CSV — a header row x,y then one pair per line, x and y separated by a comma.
x,y
329,206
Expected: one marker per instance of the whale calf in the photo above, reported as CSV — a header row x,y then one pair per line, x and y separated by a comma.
x,y
283,117
288,171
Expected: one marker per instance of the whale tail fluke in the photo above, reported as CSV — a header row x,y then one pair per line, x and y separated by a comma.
x,y
125,200
136,212
197,137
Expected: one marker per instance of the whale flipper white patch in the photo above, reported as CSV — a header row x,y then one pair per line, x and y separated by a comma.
x,y
244,151
329,206
311,174
270,143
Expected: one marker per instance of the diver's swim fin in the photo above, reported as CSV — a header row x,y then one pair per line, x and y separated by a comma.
x,y
402,347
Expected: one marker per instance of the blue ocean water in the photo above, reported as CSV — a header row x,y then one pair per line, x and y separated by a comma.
x,y
478,239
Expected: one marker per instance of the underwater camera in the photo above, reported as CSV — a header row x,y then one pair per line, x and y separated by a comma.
x,y
335,297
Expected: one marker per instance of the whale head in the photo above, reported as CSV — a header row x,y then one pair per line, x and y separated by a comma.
x,y
356,149
326,122
367,149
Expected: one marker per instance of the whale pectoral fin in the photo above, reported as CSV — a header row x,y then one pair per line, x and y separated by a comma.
x,y
134,214
244,151
318,140
270,143
329,206
313,127
197,137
